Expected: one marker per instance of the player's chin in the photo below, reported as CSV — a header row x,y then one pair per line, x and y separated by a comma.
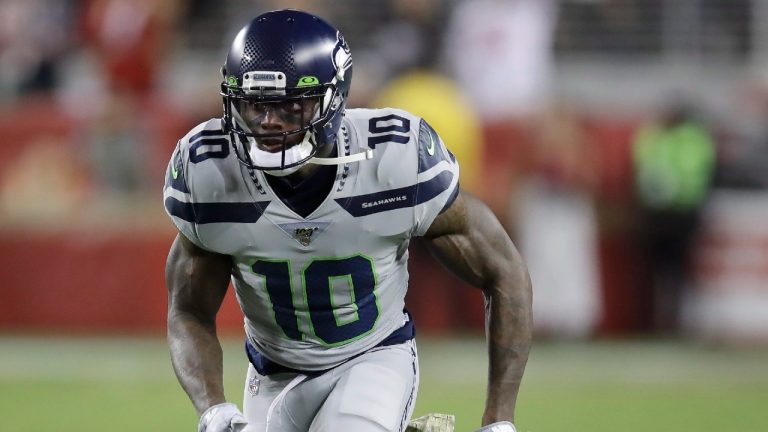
x,y
270,148
271,145
275,145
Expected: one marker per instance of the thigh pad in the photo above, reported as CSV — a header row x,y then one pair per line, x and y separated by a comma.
x,y
374,392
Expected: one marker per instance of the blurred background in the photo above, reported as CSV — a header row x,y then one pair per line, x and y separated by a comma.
x,y
623,144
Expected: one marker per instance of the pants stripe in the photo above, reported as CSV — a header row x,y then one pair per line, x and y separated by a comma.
x,y
411,398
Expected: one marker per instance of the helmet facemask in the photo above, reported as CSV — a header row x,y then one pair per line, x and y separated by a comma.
x,y
279,131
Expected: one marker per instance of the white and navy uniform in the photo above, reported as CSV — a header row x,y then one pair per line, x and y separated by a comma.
x,y
322,295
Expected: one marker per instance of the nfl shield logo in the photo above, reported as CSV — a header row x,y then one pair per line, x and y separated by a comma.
x,y
253,386
304,232
304,235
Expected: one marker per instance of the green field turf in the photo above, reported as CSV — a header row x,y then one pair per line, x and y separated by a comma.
x,y
127,384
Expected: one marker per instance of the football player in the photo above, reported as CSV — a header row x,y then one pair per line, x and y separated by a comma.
x,y
308,208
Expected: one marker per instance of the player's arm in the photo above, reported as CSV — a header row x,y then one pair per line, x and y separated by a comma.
x,y
469,240
197,281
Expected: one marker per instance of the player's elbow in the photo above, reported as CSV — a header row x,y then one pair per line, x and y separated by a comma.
x,y
181,315
510,285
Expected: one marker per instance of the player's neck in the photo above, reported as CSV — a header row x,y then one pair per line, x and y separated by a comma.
x,y
309,169
305,194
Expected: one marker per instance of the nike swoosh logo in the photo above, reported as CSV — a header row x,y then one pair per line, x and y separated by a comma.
x,y
431,147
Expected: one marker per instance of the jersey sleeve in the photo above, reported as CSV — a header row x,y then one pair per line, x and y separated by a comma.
x,y
177,197
437,178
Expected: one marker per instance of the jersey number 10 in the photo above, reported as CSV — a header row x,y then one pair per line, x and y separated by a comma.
x,y
334,324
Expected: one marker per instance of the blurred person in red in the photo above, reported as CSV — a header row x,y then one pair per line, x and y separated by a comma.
x,y
674,165
557,225
501,54
129,38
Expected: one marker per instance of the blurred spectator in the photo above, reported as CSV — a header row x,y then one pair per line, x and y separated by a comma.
x,y
130,40
34,36
129,37
500,52
557,226
674,160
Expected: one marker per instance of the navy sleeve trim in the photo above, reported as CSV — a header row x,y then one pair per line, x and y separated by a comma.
x,y
393,199
431,150
451,199
204,213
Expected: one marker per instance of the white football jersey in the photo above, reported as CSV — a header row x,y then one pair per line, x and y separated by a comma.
x,y
316,291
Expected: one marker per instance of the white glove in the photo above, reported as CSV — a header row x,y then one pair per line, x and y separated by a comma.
x,y
502,426
223,417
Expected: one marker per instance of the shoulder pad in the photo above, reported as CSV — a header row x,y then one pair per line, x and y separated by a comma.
x,y
205,141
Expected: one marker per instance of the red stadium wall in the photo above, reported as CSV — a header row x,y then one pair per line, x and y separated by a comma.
x,y
86,282
114,281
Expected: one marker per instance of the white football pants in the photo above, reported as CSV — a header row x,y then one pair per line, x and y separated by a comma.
x,y
374,392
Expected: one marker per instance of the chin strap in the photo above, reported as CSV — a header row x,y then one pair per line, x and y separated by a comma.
x,y
363,155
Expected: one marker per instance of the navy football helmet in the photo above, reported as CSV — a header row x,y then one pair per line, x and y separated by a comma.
x,y
285,87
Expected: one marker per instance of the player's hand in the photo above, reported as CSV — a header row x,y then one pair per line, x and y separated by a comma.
x,y
502,426
223,417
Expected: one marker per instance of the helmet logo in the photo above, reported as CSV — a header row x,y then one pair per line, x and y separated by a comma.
x,y
232,81
307,81
342,58
264,82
